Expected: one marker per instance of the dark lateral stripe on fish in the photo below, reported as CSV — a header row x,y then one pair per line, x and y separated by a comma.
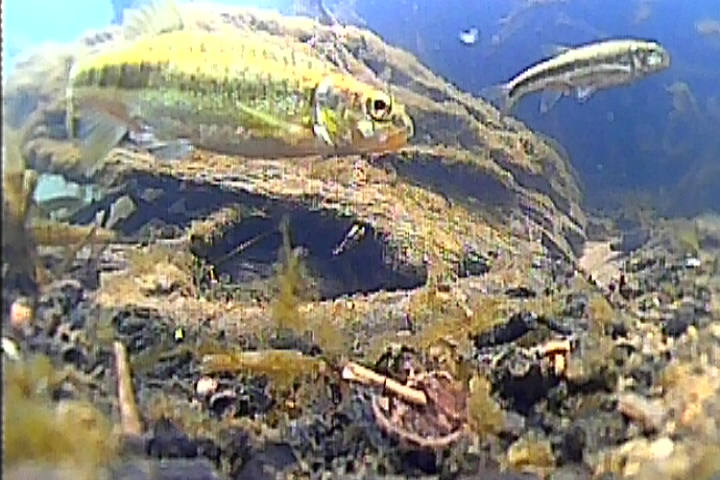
x,y
559,70
127,76
152,76
148,76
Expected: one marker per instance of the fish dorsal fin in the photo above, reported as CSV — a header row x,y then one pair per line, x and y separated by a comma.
x,y
554,49
154,18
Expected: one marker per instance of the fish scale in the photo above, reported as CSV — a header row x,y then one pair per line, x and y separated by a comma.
x,y
182,83
209,61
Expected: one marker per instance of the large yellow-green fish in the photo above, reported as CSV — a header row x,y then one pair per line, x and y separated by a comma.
x,y
233,92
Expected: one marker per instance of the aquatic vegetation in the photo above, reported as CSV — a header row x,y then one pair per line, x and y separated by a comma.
x,y
19,251
38,433
208,230
531,453
293,288
159,268
443,320
601,313
687,236
485,416
282,367
24,233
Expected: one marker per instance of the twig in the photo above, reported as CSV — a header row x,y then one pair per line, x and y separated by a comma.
x,y
357,373
129,417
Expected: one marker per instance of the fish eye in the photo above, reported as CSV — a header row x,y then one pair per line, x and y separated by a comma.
x,y
654,58
379,107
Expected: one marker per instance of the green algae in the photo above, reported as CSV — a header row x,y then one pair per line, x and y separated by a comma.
x,y
485,416
292,287
71,434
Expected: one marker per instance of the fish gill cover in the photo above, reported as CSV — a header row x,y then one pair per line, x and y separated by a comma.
x,y
501,293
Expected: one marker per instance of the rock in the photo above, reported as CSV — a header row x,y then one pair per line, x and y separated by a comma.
x,y
206,386
454,134
650,414
168,441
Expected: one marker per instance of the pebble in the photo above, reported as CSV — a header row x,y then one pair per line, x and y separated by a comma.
x,y
649,413
21,313
692,262
10,349
640,451
206,386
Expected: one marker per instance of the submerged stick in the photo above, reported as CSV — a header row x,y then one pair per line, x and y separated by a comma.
x,y
357,373
129,417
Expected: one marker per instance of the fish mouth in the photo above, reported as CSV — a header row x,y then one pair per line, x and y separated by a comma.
x,y
403,130
394,137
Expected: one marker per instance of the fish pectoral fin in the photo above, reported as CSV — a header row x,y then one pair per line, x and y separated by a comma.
x,y
99,134
156,17
172,150
499,95
582,94
262,121
325,121
548,99
321,132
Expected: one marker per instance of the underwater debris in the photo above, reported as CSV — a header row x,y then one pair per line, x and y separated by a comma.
x,y
430,410
435,425
352,237
130,423
470,36
357,373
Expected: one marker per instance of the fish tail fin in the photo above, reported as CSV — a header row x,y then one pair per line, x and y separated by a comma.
x,y
499,95
99,135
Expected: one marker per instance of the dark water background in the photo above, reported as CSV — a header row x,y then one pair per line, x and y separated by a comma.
x,y
621,139
607,137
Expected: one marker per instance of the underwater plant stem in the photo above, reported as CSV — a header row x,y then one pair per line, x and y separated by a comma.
x,y
129,417
357,373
